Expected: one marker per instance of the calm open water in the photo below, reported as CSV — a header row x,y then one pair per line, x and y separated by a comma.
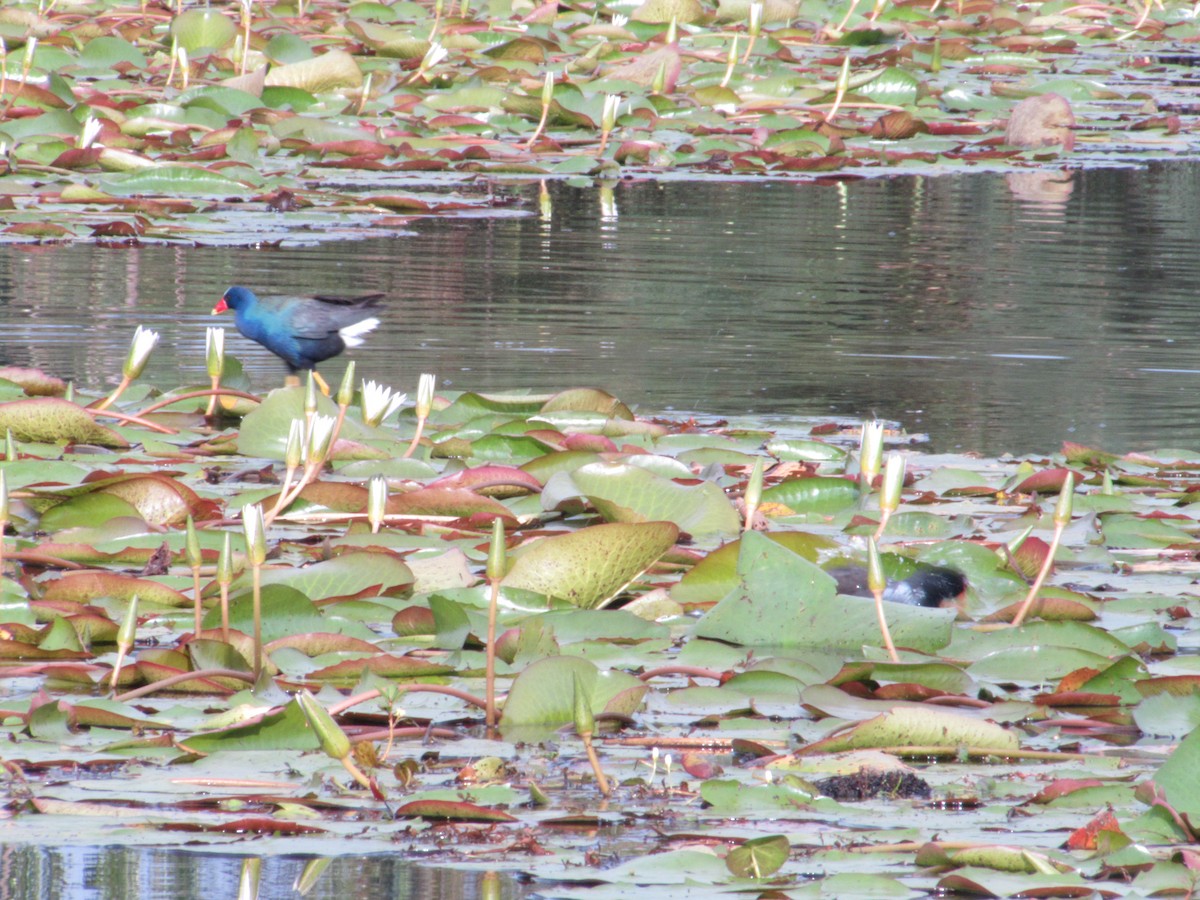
x,y
994,313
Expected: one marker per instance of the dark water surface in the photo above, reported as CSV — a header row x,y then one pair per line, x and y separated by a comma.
x,y
29,872
995,313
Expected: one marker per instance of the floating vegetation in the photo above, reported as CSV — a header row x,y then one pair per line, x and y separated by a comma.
x,y
246,123
299,616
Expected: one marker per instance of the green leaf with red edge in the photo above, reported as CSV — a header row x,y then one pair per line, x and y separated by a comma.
x,y
85,587
716,575
451,810
92,509
51,419
590,566
355,574
629,494
458,503
1047,481
907,726
544,693
816,494
350,671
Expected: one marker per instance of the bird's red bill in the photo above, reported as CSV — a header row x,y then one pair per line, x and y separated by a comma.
x,y
220,307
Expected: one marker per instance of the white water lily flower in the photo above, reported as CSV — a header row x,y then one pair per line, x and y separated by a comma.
x,y
425,388
434,55
256,533
320,433
378,402
608,118
140,348
91,130
214,351
377,496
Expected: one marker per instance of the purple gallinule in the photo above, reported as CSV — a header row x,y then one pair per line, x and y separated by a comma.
x,y
930,586
302,331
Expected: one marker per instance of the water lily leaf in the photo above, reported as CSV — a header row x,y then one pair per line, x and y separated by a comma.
x,y
589,567
447,501
200,29
588,400
34,382
286,729
85,587
349,575
893,85
50,420
172,179
543,694
643,70
330,71
158,498
107,51
758,857
907,726
451,810
628,493
814,495
660,12
785,600
351,671
450,623
716,575
93,509
264,430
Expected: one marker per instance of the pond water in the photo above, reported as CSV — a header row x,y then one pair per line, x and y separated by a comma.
x,y
30,872
992,312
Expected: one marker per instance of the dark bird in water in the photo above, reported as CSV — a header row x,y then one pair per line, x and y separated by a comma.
x,y
302,331
930,586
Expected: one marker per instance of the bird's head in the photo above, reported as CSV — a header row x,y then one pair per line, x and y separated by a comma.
x,y
235,298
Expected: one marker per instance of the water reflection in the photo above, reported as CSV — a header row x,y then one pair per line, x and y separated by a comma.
x,y
29,872
993,312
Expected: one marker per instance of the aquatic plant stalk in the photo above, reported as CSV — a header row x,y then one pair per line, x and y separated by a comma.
x,y
1062,518
317,443
876,582
293,456
753,28
224,579
608,119
214,359
843,85
585,727
425,388
495,571
730,62
4,513
256,554
547,99
195,559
